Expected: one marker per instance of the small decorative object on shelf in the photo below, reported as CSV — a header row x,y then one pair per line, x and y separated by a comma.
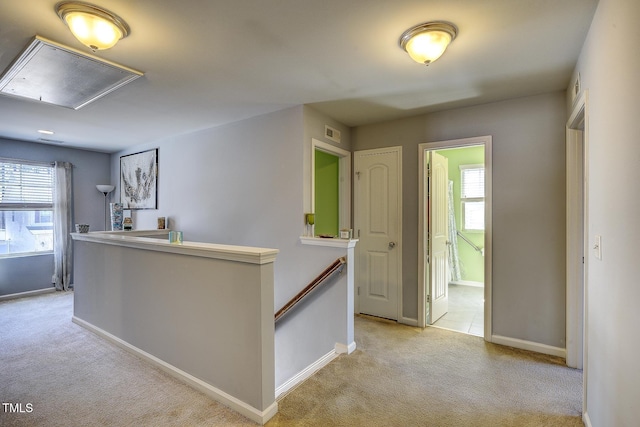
x,y
309,220
127,222
162,222
82,228
116,216
175,237
346,233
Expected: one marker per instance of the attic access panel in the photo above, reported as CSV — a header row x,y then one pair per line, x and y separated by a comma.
x,y
55,74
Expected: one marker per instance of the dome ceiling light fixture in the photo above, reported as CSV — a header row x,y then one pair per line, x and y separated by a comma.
x,y
93,26
427,42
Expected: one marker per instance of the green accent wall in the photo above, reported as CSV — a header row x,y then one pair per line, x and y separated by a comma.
x,y
327,175
471,261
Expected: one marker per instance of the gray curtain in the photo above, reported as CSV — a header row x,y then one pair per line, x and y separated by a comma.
x,y
62,226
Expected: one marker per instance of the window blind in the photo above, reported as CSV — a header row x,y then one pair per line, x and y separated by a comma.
x,y
472,182
25,185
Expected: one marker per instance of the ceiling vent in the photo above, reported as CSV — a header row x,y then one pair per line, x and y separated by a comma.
x,y
60,75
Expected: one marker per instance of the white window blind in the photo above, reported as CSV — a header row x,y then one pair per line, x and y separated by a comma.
x,y
25,185
472,196
472,182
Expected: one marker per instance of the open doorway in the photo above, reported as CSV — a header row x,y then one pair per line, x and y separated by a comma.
x,y
455,203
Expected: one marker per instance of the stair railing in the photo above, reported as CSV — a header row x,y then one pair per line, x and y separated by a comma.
x,y
319,280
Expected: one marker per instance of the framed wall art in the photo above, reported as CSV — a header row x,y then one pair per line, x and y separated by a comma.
x,y
139,180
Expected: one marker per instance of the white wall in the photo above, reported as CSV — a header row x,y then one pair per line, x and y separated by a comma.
x,y
90,168
608,67
242,184
528,206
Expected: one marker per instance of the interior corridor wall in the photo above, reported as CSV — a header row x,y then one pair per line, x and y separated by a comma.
x,y
242,184
528,205
608,68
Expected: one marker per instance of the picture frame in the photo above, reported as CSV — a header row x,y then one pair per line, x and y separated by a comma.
x,y
139,180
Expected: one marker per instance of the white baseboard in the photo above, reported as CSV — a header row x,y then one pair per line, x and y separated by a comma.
x,y
27,294
586,420
467,283
237,405
345,349
408,321
529,345
306,373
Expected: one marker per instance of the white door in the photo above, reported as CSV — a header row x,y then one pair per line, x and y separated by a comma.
x,y
439,237
377,220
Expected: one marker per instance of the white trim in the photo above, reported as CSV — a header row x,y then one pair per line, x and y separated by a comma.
x,y
250,255
486,141
305,374
220,396
576,316
27,294
332,243
345,349
586,420
467,283
529,345
409,321
344,186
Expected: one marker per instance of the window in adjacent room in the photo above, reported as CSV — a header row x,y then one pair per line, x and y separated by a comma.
x,y
26,207
472,197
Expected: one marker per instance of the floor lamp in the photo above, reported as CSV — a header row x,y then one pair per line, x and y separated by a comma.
x,y
105,189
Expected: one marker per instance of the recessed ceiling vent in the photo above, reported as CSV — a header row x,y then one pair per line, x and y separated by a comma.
x,y
60,75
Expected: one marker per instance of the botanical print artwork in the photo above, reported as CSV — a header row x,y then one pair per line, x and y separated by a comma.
x,y
139,180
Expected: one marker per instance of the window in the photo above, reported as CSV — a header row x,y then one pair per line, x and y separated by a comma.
x,y
472,197
26,207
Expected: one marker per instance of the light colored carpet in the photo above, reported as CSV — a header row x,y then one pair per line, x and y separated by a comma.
x,y
399,376
72,377
404,376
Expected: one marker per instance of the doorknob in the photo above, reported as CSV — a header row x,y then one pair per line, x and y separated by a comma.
x,y
392,245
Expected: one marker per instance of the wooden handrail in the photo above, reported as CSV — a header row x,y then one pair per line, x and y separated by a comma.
x,y
337,264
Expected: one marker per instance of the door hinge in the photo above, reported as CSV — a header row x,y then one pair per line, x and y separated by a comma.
x,y
428,298
358,233
358,175
358,290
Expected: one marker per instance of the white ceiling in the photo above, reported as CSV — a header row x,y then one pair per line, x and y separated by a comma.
x,y
211,62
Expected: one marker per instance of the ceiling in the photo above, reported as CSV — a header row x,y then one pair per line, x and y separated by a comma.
x,y
212,62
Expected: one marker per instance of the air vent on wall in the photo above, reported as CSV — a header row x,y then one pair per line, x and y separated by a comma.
x,y
49,72
332,133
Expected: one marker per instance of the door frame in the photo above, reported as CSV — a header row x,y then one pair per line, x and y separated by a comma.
x,y
577,313
485,141
356,212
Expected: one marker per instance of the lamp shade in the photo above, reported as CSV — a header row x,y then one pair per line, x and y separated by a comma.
x,y
104,188
93,26
427,42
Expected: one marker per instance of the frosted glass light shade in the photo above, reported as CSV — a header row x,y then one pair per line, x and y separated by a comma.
x,y
104,188
93,26
427,42
92,31
427,47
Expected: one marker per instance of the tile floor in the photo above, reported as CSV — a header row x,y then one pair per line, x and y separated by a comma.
x,y
466,310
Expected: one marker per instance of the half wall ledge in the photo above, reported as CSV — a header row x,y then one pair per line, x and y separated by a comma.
x,y
202,312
